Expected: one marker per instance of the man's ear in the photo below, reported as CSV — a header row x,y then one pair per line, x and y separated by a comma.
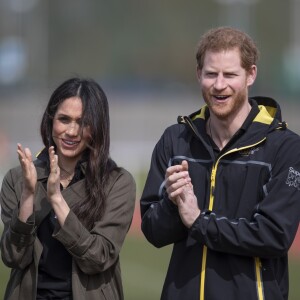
x,y
251,75
198,73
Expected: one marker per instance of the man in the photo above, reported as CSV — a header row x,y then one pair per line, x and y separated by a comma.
x,y
224,184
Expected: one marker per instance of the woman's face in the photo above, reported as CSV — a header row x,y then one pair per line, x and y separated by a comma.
x,y
69,135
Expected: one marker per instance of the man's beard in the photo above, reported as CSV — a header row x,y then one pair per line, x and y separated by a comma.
x,y
225,110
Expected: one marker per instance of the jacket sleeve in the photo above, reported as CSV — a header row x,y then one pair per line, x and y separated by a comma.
x,y
97,250
161,223
272,228
17,238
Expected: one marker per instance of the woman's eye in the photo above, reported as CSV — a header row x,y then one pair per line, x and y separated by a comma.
x,y
64,120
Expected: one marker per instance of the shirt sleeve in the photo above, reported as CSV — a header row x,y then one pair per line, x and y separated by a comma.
x,y
18,237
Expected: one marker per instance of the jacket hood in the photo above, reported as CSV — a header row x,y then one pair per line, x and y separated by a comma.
x,y
270,105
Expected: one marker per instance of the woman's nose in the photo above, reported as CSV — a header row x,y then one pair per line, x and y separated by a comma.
x,y
73,129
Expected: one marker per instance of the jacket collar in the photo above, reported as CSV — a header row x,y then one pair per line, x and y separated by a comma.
x,y
264,117
269,110
72,195
43,164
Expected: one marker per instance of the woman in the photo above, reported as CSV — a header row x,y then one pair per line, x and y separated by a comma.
x,y
67,213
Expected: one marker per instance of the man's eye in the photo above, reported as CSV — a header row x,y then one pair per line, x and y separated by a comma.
x,y
210,74
230,75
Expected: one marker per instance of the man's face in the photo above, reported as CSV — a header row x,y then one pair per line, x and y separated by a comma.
x,y
225,83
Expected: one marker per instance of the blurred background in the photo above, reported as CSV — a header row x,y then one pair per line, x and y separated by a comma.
x,y
143,55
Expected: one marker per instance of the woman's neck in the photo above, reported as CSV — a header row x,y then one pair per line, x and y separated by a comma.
x,y
67,165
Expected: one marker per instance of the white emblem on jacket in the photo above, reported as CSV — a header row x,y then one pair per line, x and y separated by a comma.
x,y
293,178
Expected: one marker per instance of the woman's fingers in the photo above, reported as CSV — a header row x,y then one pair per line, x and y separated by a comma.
x,y
54,168
24,154
28,168
28,155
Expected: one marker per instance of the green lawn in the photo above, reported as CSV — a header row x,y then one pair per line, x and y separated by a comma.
x,y
144,268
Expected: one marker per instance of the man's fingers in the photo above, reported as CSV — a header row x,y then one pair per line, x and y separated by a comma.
x,y
176,188
175,193
177,168
185,165
177,180
173,170
177,177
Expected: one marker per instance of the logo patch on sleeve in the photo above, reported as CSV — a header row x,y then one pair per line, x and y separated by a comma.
x,y
293,178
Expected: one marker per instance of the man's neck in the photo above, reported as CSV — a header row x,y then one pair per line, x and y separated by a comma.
x,y
222,130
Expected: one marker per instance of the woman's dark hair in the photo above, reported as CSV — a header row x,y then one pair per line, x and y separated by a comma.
x,y
95,114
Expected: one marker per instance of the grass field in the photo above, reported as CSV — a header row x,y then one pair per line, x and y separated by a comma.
x,y
144,268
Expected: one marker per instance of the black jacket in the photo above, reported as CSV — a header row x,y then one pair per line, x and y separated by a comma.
x,y
249,197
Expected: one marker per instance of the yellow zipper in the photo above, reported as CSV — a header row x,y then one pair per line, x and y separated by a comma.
x,y
210,207
259,283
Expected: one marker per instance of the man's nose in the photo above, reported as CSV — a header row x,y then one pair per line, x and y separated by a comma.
x,y
220,82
